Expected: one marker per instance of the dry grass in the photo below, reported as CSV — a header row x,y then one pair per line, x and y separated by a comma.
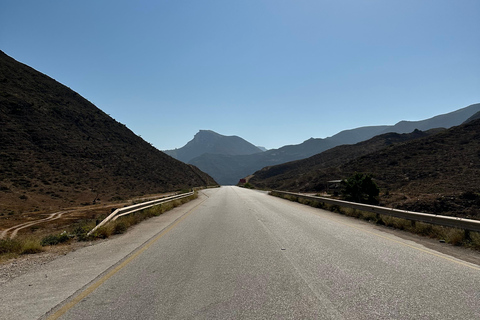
x,y
11,248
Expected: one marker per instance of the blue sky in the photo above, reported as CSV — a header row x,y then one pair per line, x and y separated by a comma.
x,y
273,72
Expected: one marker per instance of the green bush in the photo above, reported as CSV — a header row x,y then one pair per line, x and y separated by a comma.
x,y
360,188
54,239
82,229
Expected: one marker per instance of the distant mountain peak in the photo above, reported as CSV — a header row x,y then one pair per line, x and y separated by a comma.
x,y
202,132
211,142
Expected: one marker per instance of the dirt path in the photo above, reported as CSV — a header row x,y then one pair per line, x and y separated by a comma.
x,y
14,230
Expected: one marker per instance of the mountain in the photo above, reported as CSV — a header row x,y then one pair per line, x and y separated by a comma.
x,y
296,175
447,120
358,134
207,141
438,173
58,149
228,169
474,117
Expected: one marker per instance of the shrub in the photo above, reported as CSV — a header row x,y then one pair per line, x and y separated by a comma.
x,y
81,229
120,227
360,188
104,231
31,246
423,229
22,246
455,236
54,239
9,246
475,240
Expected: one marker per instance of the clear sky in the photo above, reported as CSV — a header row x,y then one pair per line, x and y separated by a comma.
x,y
273,72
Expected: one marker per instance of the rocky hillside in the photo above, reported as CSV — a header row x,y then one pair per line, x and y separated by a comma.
x,y
287,176
210,142
438,173
58,149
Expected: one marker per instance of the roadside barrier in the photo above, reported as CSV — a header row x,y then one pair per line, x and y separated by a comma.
x,y
137,207
447,221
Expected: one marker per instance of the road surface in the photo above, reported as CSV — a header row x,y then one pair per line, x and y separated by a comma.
x,y
241,254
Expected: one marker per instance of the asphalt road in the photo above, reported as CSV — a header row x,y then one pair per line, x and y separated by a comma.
x,y
241,254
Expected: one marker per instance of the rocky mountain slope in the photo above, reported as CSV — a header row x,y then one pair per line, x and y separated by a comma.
x,y
58,149
210,142
438,173
287,176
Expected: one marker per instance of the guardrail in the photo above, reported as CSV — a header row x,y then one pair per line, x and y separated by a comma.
x,y
137,207
467,224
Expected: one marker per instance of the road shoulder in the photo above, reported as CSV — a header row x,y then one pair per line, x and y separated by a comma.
x,y
47,284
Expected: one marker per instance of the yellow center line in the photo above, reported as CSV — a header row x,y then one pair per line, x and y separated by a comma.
x,y
103,279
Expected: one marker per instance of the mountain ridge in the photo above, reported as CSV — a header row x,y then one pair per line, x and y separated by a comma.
x,y
240,166
446,120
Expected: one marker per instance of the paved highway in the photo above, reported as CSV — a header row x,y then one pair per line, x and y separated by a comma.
x,y
241,254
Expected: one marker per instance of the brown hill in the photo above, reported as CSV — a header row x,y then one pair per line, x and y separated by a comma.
x,y
298,175
438,173
58,149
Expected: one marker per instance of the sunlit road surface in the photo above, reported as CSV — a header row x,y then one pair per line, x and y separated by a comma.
x,y
241,254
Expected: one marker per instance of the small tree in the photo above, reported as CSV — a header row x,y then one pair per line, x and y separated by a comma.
x,y
360,188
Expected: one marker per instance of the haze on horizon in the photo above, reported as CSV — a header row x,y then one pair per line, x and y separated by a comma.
x,y
271,72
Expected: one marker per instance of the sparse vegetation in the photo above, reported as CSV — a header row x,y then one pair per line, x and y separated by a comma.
x,y
31,246
10,248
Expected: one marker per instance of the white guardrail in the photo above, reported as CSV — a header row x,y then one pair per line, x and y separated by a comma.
x,y
137,207
467,224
